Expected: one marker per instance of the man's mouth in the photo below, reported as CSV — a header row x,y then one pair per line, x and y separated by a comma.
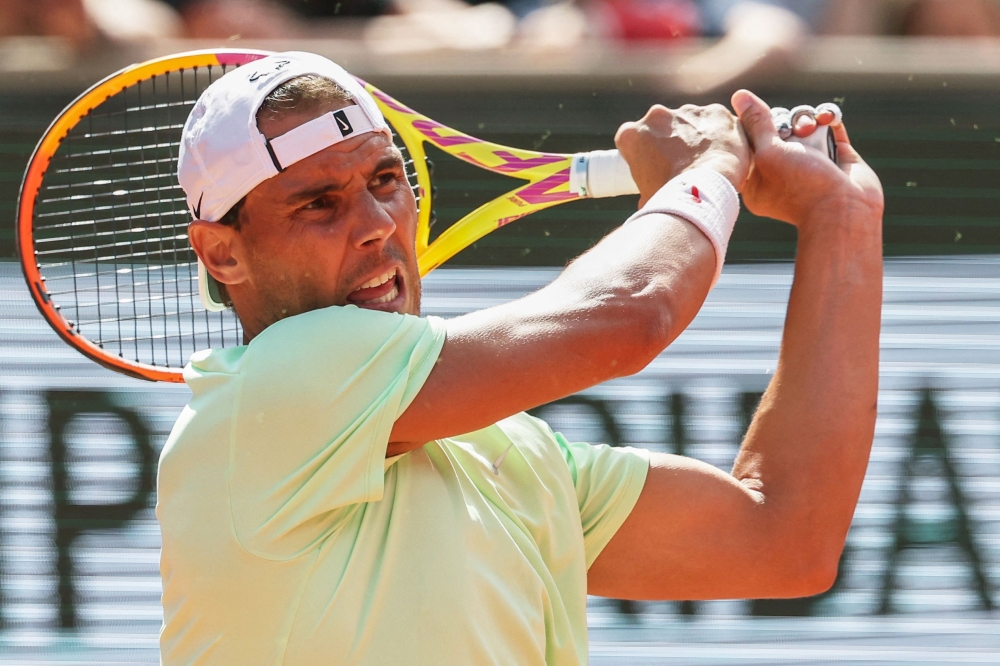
x,y
377,291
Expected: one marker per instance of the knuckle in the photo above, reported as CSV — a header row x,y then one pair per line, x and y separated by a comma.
x,y
658,111
626,128
626,135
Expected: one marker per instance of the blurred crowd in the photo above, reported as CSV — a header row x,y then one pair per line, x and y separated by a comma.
x,y
490,23
748,30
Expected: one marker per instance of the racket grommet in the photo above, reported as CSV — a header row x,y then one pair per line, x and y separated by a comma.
x,y
799,111
781,117
838,114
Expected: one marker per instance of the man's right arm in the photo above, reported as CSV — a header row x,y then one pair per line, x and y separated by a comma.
x,y
607,315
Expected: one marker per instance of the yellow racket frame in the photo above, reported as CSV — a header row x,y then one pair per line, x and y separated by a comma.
x,y
548,176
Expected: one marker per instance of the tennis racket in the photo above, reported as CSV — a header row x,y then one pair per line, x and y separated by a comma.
x,y
102,222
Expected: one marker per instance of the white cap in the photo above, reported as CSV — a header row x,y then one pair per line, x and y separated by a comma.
x,y
223,155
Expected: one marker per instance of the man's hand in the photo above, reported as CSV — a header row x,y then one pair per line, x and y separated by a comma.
x,y
776,525
667,142
789,183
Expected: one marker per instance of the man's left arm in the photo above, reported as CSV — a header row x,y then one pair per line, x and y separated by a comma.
x,y
776,526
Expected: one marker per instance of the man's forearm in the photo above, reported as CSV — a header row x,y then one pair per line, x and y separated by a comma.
x,y
807,448
613,309
658,263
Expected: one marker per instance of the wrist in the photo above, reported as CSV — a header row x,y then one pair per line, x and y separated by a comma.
x,y
845,214
832,232
726,164
705,198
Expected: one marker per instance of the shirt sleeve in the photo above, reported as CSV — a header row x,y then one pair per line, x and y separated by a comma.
x,y
318,396
608,483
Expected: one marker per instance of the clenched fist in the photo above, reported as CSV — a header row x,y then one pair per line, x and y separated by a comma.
x,y
667,142
790,182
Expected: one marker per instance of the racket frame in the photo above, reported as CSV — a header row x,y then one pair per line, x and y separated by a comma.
x,y
35,172
547,176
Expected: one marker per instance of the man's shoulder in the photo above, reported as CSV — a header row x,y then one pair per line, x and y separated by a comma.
x,y
349,318
304,333
346,332
330,343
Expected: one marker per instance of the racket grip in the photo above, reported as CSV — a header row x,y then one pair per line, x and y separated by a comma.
x,y
605,173
601,173
822,140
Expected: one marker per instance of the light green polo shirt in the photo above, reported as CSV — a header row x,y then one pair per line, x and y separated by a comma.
x,y
288,538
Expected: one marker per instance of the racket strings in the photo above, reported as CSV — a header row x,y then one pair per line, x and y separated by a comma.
x,y
79,178
409,164
104,226
111,228
70,226
126,132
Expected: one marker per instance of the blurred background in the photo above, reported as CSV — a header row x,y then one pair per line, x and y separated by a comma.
x,y
919,82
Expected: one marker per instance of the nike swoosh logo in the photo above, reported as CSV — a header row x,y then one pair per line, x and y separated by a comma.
x,y
197,209
343,123
499,461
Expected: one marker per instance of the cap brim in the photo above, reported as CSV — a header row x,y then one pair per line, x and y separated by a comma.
x,y
208,290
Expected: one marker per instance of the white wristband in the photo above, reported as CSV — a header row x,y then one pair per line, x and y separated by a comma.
x,y
706,199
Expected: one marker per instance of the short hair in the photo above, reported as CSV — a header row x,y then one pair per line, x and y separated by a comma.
x,y
301,94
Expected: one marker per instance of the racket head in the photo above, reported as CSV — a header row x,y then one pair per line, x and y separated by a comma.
x,y
102,221
101,228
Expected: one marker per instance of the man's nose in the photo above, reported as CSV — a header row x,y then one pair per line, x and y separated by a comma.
x,y
374,224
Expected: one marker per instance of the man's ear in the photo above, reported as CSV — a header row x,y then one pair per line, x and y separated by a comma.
x,y
217,246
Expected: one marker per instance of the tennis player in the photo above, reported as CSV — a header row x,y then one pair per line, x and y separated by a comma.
x,y
360,485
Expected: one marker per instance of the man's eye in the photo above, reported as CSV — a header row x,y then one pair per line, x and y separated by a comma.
x,y
384,179
315,205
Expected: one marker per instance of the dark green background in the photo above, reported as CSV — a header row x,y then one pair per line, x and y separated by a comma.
x,y
937,153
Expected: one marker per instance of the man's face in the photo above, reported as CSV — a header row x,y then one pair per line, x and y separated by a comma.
x,y
336,228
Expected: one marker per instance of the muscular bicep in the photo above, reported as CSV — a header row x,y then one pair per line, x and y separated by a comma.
x,y
608,315
505,360
695,533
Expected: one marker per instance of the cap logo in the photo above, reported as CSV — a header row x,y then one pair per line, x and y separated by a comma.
x,y
313,136
343,124
197,209
278,66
